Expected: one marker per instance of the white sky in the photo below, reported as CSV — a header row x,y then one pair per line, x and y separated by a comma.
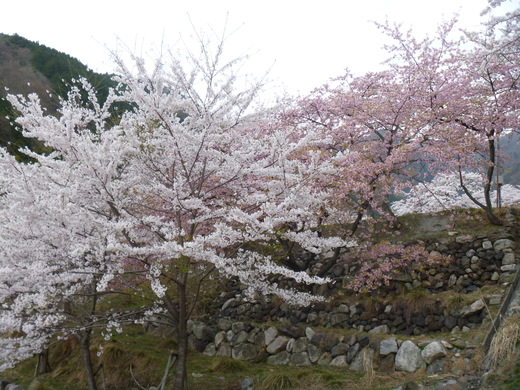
x,y
303,42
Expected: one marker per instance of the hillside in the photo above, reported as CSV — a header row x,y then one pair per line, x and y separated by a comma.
x,y
27,67
232,352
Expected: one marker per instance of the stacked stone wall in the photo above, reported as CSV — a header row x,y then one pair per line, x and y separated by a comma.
x,y
475,262
306,347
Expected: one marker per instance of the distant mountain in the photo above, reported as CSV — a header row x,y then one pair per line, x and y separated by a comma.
x,y
27,67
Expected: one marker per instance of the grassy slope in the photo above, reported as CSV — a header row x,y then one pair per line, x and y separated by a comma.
x,y
148,354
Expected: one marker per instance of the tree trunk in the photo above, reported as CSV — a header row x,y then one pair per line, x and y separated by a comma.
x,y
489,179
84,344
43,366
182,338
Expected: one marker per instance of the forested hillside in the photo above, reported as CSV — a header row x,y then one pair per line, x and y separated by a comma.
x,y
27,67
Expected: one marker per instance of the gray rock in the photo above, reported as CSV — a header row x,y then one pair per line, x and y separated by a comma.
x,y
325,359
388,346
475,307
280,358
351,353
433,351
338,318
463,239
351,339
339,361
196,344
3,384
314,353
224,350
239,338
508,268
257,339
309,333
503,243
508,259
277,345
237,327
459,343
270,334
251,337
450,322
358,364
246,384
409,358
289,346
300,345
198,330
219,338
436,367
13,386
386,364
452,280
210,350
363,340
299,359
224,324
231,302
244,352
411,386
339,349
381,329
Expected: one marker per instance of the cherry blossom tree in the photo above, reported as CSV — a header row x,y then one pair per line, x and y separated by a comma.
x,y
473,96
54,259
179,187
438,107
444,192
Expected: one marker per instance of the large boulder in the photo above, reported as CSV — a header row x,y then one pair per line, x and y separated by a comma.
x,y
409,358
244,352
433,351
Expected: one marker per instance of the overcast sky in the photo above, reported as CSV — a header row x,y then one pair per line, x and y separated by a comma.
x,y
303,42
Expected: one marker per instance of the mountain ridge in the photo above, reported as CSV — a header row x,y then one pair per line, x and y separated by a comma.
x,y
29,67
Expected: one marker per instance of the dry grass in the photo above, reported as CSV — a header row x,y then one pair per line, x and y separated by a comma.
x,y
503,345
278,381
368,368
227,365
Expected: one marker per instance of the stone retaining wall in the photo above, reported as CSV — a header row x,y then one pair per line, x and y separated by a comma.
x,y
305,347
475,262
